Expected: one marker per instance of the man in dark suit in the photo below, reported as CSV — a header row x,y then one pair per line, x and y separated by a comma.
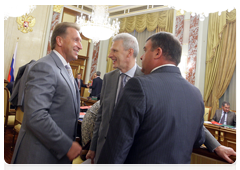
x,y
96,86
51,104
159,118
79,82
224,115
123,53
123,48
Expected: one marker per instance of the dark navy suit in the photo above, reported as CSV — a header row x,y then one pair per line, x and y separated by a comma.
x,y
158,119
96,87
82,85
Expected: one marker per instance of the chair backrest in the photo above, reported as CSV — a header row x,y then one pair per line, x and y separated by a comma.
x,y
207,114
19,116
236,112
6,101
86,92
5,82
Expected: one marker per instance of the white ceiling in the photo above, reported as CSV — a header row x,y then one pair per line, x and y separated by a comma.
x,y
120,11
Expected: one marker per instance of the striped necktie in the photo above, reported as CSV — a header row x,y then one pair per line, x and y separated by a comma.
x,y
223,118
69,70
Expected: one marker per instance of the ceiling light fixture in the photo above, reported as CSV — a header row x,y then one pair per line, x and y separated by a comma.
x,y
98,26
17,10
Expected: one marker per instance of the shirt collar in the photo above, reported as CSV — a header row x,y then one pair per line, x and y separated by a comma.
x,y
61,58
131,72
162,66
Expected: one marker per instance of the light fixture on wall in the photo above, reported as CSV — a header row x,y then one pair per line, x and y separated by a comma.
x,y
17,10
98,26
202,9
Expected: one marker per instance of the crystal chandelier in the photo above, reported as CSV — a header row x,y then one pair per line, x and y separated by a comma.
x,y
98,26
17,10
202,9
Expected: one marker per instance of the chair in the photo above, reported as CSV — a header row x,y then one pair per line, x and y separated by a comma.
x,y
9,114
233,111
207,113
17,123
5,82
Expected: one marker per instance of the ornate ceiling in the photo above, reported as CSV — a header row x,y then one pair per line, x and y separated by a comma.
x,y
120,11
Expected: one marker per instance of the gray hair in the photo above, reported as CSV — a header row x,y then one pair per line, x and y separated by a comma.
x,y
98,73
129,41
224,102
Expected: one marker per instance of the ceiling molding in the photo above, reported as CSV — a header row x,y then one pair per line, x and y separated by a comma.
x,y
121,11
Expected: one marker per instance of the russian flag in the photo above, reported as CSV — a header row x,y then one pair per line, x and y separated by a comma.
x,y
11,70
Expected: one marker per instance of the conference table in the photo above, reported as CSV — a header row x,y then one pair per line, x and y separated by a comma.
x,y
225,136
88,101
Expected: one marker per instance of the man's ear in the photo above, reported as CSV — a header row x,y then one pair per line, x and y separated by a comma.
x,y
59,41
130,52
158,52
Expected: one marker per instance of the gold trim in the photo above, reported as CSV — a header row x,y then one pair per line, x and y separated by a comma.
x,y
178,12
222,136
25,23
216,135
57,8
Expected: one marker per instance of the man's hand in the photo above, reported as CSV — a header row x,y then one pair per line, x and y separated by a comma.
x,y
91,155
224,152
74,151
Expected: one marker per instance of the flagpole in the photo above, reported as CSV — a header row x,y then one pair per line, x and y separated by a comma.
x,y
12,67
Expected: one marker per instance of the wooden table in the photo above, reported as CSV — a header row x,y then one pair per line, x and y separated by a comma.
x,y
87,101
225,136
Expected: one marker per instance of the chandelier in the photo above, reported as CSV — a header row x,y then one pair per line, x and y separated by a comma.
x,y
98,26
17,10
202,9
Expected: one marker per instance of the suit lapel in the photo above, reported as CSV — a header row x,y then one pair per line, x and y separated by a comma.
x,y
66,76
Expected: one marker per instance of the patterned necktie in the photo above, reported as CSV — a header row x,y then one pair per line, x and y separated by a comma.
x,y
123,79
223,118
69,70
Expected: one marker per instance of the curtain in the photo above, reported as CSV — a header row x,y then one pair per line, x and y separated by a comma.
x,y
162,20
230,93
109,60
141,37
221,57
142,26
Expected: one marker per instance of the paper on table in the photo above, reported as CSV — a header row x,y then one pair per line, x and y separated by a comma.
x,y
86,165
208,122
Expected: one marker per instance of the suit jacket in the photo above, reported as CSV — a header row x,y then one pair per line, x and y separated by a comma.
x,y
107,102
96,87
82,85
20,84
231,117
158,119
50,117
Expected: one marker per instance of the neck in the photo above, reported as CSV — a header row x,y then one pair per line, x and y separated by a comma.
x,y
128,67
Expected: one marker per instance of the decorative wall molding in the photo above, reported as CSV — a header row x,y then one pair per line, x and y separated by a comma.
x,y
192,49
57,8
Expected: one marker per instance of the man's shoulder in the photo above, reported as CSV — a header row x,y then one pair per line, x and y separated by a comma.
x,y
232,112
46,59
219,111
112,73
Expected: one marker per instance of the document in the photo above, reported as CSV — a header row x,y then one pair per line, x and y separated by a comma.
x,y
86,165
